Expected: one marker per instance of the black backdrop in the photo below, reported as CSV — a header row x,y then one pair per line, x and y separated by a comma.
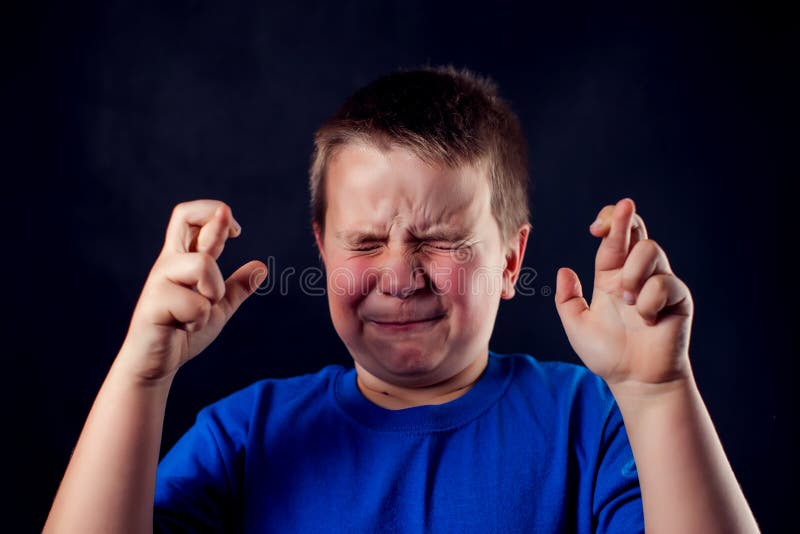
x,y
116,111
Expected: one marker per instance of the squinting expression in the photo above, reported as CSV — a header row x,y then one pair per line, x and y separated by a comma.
x,y
414,261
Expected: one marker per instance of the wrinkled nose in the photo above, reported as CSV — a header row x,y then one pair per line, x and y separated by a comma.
x,y
401,275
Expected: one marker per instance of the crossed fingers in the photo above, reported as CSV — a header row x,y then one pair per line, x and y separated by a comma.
x,y
201,226
646,279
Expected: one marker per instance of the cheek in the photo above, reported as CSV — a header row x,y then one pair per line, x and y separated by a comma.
x,y
471,290
348,285
466,282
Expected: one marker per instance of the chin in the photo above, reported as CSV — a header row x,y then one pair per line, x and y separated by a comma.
x,y
406,360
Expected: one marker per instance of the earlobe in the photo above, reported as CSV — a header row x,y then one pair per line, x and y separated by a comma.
x,y
508,290
514,256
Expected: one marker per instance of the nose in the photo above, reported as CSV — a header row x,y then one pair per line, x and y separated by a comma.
x,y
401,275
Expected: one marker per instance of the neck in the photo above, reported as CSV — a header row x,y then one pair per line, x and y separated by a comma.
x,y
392,397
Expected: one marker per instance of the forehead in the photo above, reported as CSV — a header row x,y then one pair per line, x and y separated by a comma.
x,y
369,188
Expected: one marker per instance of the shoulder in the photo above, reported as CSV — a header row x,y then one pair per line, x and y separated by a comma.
x,y
272,395
560,387
555,377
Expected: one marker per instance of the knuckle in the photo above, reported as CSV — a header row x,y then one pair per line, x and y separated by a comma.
x,y
659,283
203,307
646,250
179,209
682,285
158,275
225,207
653,243
198,321
214,293
631,281
204,262
647,247
154,290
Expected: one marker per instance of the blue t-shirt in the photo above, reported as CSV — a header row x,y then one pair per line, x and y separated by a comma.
x,y
531,447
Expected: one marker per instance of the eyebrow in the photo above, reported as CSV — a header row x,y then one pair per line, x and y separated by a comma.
x,y
359,236
436,233
440,234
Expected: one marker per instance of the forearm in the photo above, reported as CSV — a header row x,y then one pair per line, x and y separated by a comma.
x,y
686,480
109,484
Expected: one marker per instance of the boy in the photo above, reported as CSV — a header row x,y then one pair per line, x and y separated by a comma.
x,y
419,210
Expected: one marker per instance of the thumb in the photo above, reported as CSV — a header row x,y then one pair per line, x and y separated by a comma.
x,y
241,284
569,297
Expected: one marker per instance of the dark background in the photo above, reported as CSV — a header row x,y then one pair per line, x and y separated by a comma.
x,y
115,111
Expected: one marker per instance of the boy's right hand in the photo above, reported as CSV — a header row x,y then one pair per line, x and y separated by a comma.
x,y
185,302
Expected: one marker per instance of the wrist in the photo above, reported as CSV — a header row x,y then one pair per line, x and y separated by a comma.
x,y
128,366
643,395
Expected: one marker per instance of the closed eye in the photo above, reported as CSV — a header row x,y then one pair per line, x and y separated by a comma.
x,y
365,248
440,245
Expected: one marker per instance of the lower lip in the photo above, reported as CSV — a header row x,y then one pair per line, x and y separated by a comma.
x,y
416,325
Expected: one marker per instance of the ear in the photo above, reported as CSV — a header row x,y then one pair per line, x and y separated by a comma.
x,y
318,237
515,253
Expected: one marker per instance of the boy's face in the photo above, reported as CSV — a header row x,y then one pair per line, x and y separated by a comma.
x,y
415,263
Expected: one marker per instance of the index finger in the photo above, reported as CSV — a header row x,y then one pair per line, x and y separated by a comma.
x,y
616,244
601,225
188,218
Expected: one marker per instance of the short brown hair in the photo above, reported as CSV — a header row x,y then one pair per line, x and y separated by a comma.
x,y
444,116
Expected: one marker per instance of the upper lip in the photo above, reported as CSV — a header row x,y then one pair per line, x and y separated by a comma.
x,y
405,320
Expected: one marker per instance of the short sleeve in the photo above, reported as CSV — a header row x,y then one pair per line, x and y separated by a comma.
x,y
617,499
198,481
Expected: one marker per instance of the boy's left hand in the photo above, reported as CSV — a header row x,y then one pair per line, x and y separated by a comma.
x,y
645,341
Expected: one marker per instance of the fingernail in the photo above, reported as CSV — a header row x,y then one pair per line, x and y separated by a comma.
x,y
259,276
597,223
628,297
236,226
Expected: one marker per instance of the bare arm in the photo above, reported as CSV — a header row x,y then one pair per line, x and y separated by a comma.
x,y
635,335
687,482
109,484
